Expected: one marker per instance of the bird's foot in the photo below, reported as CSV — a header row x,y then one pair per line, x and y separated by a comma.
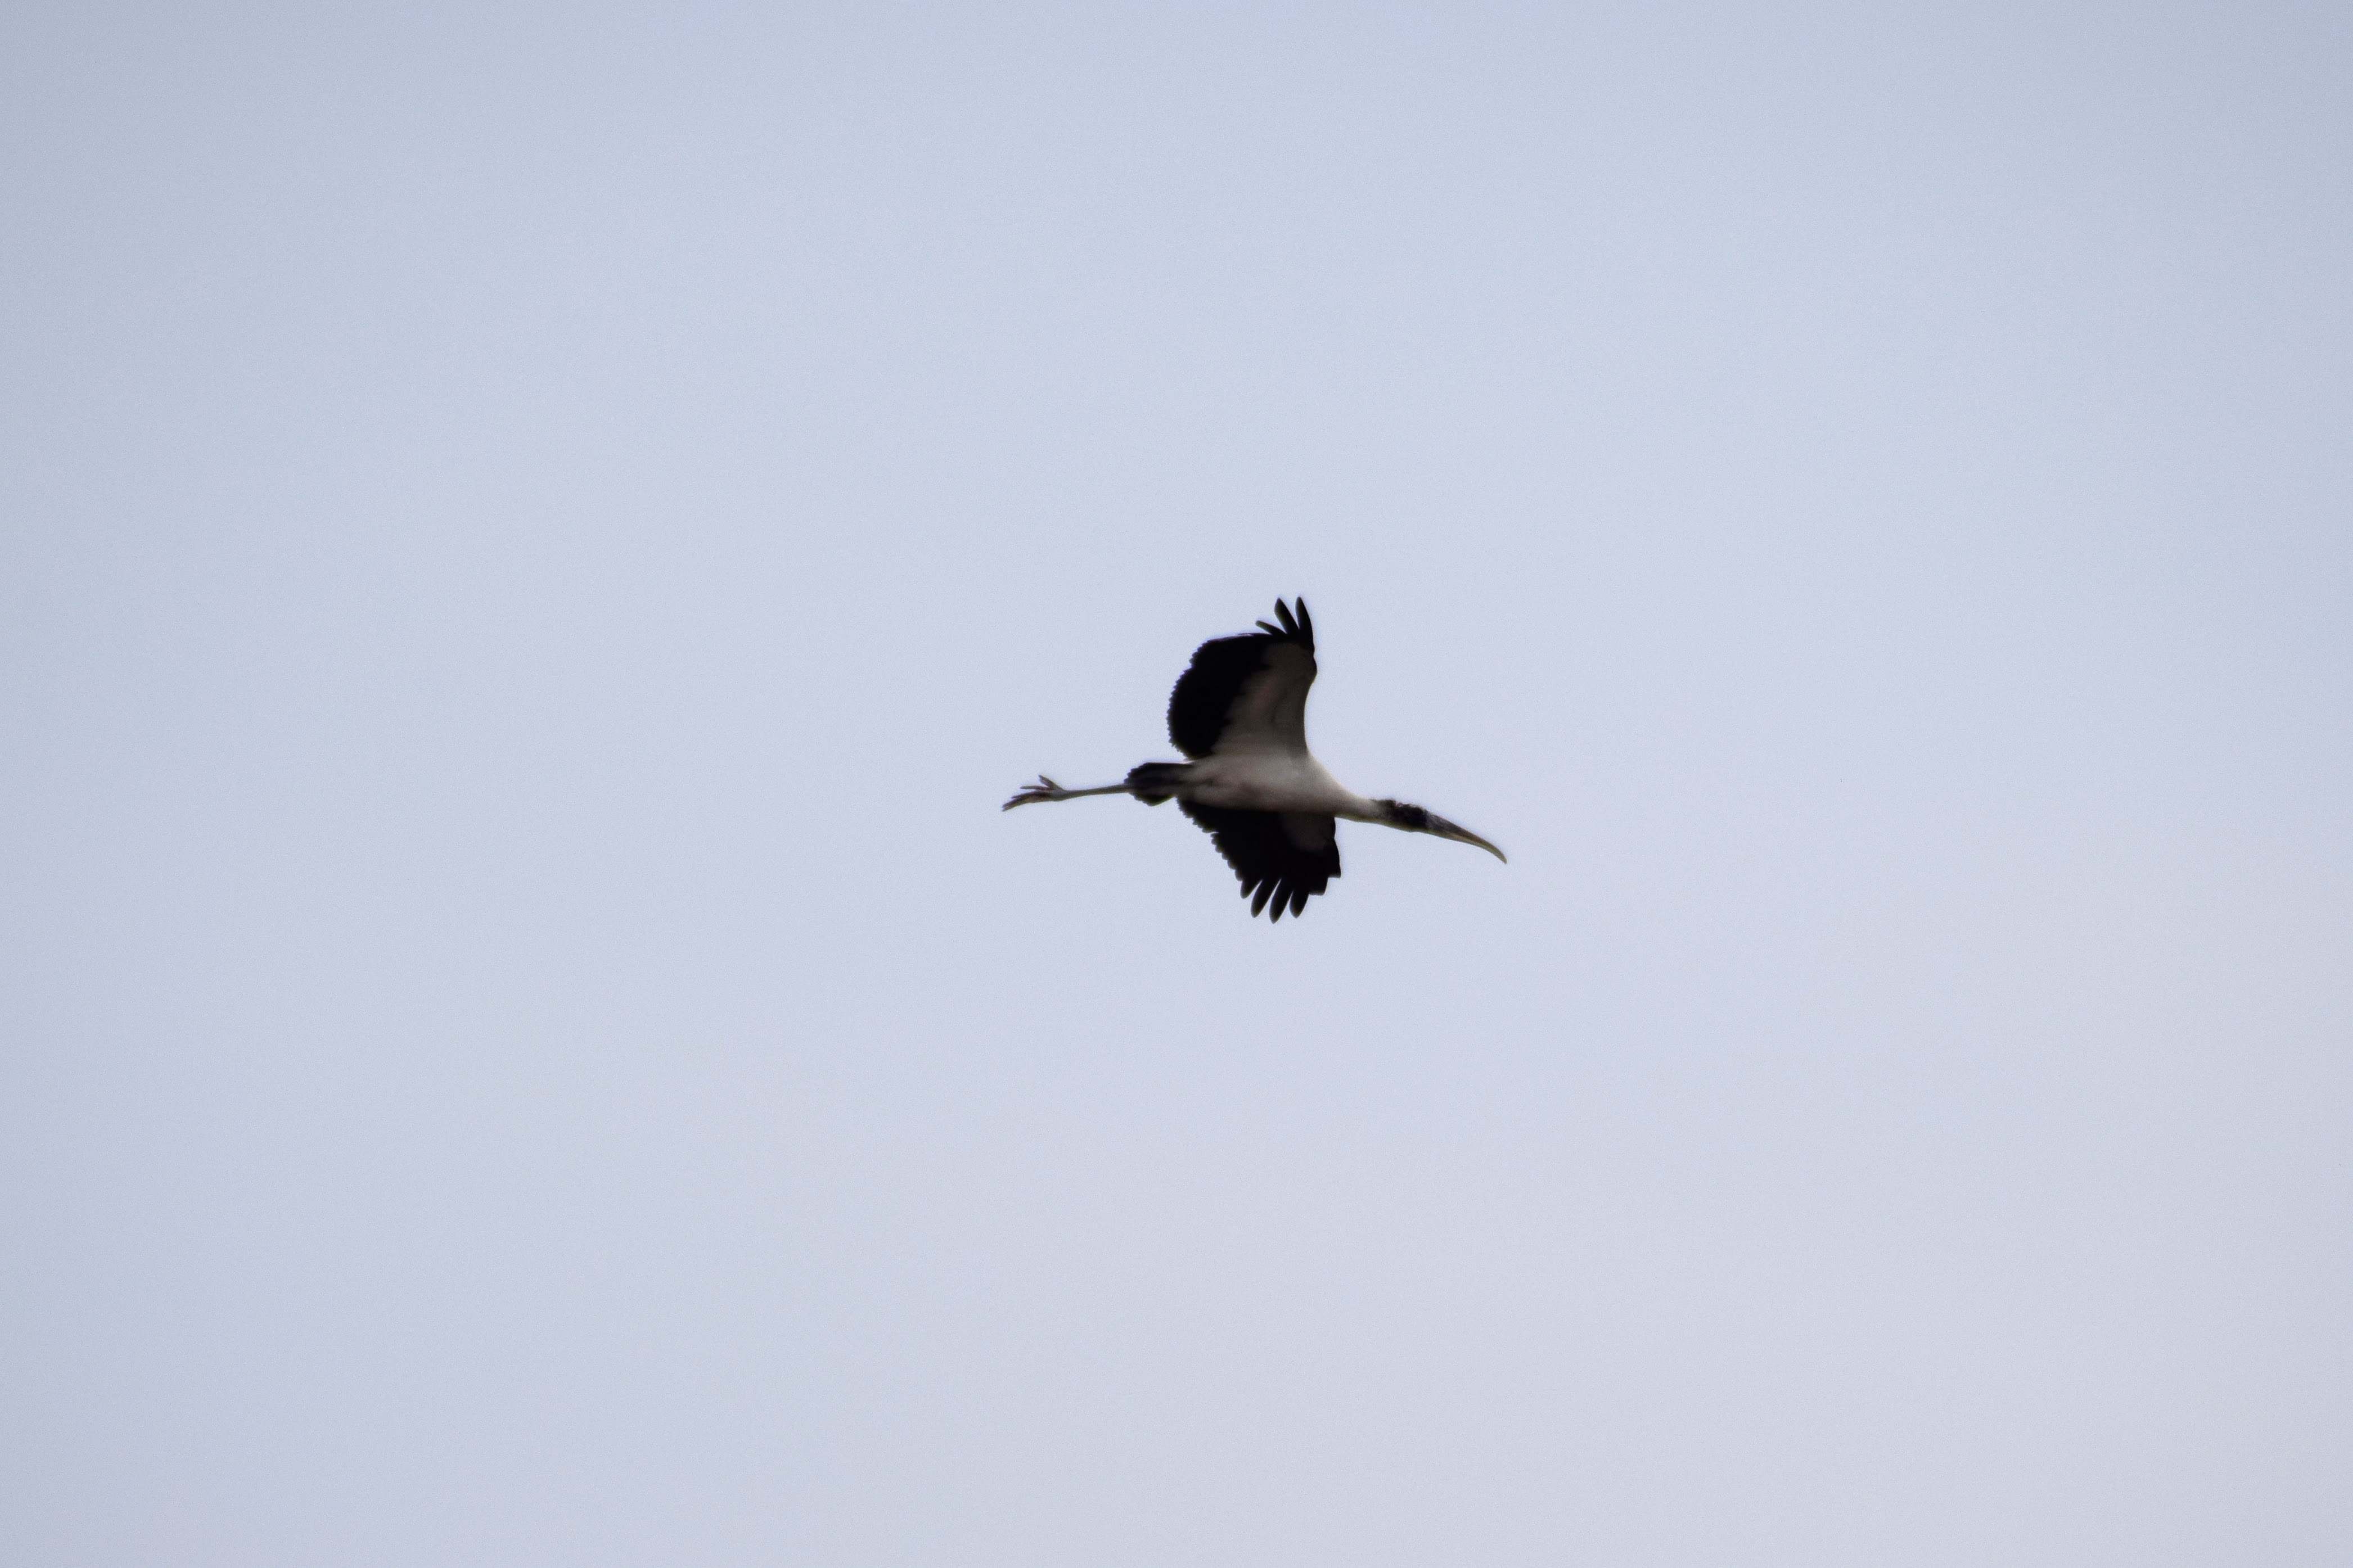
x,y
1044,789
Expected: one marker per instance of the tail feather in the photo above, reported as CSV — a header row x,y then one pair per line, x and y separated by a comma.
x,y
1155,783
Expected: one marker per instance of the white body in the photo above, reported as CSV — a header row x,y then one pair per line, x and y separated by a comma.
x,y
1274,779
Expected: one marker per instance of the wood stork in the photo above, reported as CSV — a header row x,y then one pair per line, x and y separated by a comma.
x,y
1240,712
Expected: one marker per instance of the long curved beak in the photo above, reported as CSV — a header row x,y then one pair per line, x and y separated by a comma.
x,y
1445,829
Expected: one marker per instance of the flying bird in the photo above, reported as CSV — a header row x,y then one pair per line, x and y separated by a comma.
x,y
1240,713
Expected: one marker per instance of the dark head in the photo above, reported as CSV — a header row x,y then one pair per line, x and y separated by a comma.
x,y
1414,819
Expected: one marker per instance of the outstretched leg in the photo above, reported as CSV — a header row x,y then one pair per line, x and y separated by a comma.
x,y
1047,789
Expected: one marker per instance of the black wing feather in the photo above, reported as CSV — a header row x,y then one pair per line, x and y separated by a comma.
x,y
1206,691
1266,850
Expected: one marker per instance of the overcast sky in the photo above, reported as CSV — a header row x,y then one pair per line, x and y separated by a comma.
x,y
535,540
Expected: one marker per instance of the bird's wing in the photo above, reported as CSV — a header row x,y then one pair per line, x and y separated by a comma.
x,y
1287,856
1248,693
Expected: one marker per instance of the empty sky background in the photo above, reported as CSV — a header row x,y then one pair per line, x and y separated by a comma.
x,y
533,541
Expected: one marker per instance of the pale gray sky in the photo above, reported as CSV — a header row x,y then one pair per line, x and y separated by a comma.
x,y
533,541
